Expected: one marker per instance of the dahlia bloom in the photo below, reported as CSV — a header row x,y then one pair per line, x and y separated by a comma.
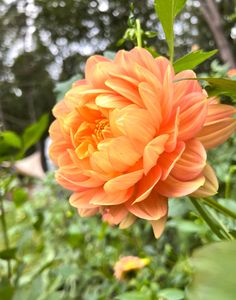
x,y
132,134
127,264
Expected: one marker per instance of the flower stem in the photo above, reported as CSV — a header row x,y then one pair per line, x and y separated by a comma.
x,y
217,227
5,236
232,170
138,33
220,208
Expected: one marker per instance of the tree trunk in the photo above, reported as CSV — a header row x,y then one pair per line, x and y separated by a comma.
x,y
213,18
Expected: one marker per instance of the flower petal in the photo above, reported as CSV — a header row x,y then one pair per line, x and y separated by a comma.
x,y
216,132
123,182
192,161
147,183
152,208
173,187
167,160
158,226
114,198
210,186
127,221
152,152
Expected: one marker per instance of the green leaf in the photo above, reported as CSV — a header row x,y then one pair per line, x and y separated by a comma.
x,y
192,60
34,132
166,11
62,87
10,144
214,272
171,294
133,295
19,196
8,254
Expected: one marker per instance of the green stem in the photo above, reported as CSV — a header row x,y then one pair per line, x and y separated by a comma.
x,y
138,33
217,228
220,208
5,236
228,181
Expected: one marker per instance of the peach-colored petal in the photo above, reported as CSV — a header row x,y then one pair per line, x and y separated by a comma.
x,y
112,198
127,221
112,101
123,182
152,152
168,160
192,120
218,112
147,183
152,208
125,89
210,186
82,199
173,187
191,162
87,212
151,102
114,214
216,132
158,226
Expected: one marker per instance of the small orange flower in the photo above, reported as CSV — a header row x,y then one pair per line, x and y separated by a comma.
x,y
131,134
231,73
127,264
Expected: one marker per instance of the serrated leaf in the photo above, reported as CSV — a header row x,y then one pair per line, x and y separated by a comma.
x,y
214,272
34,132
166,11
192,60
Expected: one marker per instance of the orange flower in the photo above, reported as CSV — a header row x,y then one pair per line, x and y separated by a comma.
x,y
127,264
131,134
231,73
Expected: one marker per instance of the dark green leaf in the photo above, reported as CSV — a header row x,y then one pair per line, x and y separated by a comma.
x,y
33,133
8,254
192,60
214,272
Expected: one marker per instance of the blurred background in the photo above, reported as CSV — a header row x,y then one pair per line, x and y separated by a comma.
x,y
52,253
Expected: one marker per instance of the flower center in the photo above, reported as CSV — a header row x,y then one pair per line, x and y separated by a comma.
x,y
102,129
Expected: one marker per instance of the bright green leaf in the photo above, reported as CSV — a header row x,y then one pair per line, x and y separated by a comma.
x,y
192,60
166,11
8,254
214,272
34,132
171,294
19,196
